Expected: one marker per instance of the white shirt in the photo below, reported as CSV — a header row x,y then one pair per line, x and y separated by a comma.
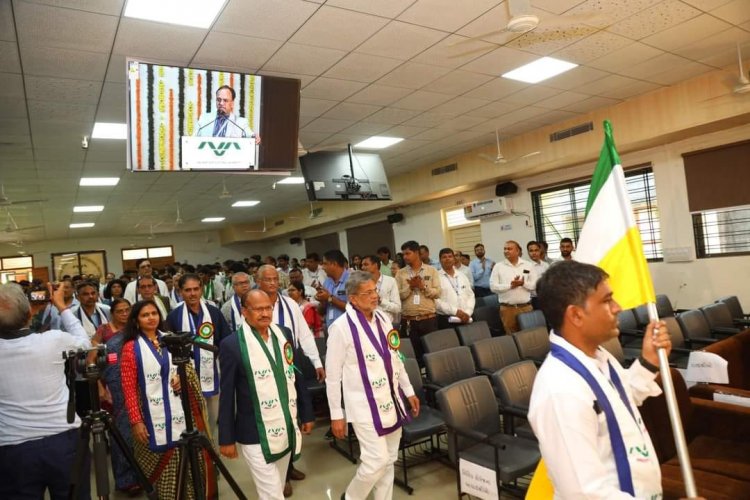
x,y
503,273
342,370
33,394
455,294
390,301
574,439
130,290
466,272
301,331
537,269
309,277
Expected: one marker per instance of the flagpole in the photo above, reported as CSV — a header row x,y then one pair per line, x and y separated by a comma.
x,y
674,414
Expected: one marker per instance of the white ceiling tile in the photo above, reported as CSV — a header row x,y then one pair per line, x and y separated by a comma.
x,y
493,20
330,88
391,116
460,105
421,100
499,61
379,95
401,40
110,7
385,8
620,60
546,41
368,129
116,69
328,125
14,126
668,69
362,67
9,61
674,37
413,75
442,14
293,58
63,63
458,82
494,109
59,89
618,87
351,111
556,6
433,134
706,5
274,19
314,107
52,110
718,49
7,30
336,28
42,25
147,39
428,119
661,16
572,79
552,117
590,104
531,95
461,122
735,12
561,101
611,10
304,79
310,139
234,52
13,108
496,89
404,131
592,47
454,51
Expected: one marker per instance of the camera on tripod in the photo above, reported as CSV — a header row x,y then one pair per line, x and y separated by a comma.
x,y
86,362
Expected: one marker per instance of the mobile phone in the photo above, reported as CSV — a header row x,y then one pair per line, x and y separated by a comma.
x,y
39,296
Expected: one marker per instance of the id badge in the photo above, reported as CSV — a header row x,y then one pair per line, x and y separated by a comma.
x,y
416,299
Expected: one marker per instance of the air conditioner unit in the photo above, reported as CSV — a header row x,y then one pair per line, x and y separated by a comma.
x,y
489,208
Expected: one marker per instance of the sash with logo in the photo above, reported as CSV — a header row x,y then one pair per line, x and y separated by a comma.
x,y
162,409
631,444
208,290
271,380
282,311
88,323
237,318
379,378
204,360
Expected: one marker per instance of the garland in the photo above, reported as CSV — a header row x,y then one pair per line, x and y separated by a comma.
x,y
150,114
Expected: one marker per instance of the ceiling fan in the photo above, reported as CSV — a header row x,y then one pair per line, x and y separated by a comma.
x,y
500,159
6,202
743,83
178,220
225,194
12,227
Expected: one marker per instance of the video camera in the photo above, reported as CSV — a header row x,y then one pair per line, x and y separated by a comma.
x,y
86,362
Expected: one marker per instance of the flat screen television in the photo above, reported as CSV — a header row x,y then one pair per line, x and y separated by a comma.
x,y
344,175
219,112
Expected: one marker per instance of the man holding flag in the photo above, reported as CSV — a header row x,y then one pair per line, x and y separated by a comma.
x,y
583,407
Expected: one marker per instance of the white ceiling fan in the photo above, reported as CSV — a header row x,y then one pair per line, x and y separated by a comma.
x,y
743,83
178,221
225,194
12,227
500,159
6,202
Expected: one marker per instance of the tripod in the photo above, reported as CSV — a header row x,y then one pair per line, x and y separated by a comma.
x,y
192,442
97,423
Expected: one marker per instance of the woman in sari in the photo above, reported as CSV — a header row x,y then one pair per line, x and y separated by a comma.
x,y
296,292
151,388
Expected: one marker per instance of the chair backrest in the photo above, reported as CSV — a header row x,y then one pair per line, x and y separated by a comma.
x,y
407,349
497,352
415,377
531,319
468,334
626,320
694,325
675,332
490,314
487,300
533,343
733,303
614,347
513,384
469,404
440,340
664,306
641,315
448,366
718,315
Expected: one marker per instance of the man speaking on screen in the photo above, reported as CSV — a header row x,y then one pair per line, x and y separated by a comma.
x,y
225,123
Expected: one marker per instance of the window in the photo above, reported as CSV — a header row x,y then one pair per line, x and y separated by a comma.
x,y
8,263
455,217
559,212
722,232
463,234
146,253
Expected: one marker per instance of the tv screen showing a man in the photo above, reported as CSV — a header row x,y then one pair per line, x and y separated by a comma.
x,y
225,122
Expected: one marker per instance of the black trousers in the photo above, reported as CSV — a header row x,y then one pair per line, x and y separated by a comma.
x,y
415,330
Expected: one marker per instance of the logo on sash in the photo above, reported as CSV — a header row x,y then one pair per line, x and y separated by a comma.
x,y
206,331
178,419
275,431
288,353
269,404
370,357
206,379
394,341
156,401
160,426
262,374
378,383
152,376
386,407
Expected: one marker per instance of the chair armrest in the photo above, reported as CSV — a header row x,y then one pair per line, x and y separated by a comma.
x,y
680,311
724,331
745,322
707,391
479,437
681,350
516,411
721,420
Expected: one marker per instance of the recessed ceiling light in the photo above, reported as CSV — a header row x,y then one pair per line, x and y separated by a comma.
x,y
378,142
99,181
213,219
109,131
81,225
245,203
89,208
291,180
541,69
195,13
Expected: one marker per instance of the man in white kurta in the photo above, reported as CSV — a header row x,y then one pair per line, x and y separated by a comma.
x,y
362,358
389,300
584,405
456,302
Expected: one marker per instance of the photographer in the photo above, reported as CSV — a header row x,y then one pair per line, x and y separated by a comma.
x,y
36,438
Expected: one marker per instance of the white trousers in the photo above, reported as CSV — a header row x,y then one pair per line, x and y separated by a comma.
x,y
212,407
269,478
377,456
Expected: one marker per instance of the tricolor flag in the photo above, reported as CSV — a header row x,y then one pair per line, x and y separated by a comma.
x,y
610,238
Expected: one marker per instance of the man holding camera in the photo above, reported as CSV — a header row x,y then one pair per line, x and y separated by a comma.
x,y
37,444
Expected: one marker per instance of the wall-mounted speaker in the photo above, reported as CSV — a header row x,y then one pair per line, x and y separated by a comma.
x,y
295,240
394,218
505,188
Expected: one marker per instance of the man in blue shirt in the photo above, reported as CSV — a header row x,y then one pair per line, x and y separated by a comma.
x,y
481,269
332,295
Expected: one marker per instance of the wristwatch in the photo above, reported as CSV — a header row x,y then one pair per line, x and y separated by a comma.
x,y
330,299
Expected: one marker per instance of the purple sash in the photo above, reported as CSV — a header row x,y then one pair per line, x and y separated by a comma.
x,y
381,346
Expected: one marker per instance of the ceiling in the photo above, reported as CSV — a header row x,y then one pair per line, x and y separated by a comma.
x,y
388,67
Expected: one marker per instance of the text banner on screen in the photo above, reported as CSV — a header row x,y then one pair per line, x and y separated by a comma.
x,y
213,153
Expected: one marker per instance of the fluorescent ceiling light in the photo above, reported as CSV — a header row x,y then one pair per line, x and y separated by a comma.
x,y
213,219
99,181
81,224
378,142
90,208
195,13
539,70
291,180
109,131
245,203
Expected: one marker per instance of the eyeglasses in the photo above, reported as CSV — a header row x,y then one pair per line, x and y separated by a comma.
x,y
241,283
261,309
368,293
270,280
123,311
